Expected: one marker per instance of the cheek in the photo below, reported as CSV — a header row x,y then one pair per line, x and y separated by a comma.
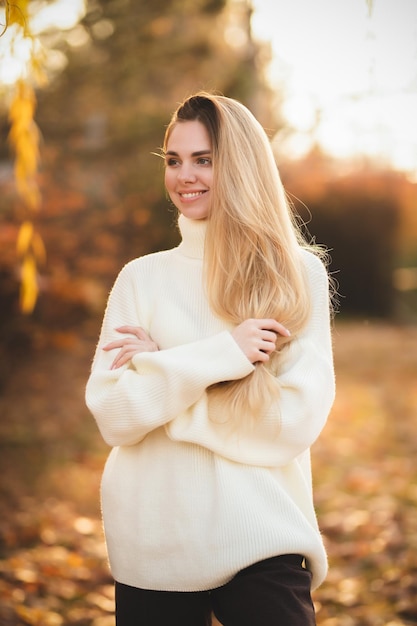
x,y
170,185
171,176
208,178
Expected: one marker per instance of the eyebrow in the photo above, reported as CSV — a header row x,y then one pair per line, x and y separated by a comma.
x,y
193,154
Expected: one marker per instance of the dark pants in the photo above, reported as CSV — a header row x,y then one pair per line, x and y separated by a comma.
x,y
274,592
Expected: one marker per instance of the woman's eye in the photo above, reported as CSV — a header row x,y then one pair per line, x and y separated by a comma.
x,y
171,162
204,161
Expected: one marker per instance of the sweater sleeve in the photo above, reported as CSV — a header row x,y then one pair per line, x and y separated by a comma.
x,y
155,387
306,394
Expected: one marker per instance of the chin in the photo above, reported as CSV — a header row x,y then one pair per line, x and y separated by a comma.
x,y
194,215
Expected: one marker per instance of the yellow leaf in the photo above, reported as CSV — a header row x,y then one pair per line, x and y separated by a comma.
x,y
29,191
29,285
24,238
29,239
17,13
27,154
22,106
24,137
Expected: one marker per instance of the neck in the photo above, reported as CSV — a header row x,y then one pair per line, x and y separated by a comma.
x,y
193,234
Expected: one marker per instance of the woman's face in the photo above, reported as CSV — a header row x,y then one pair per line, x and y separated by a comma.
x,y
189,169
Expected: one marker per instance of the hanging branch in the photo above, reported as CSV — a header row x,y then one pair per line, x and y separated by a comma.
x,y
24,138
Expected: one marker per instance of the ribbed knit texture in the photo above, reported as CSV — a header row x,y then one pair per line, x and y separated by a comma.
x,y
188,500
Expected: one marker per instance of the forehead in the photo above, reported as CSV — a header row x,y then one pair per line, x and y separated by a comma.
x,y
188,137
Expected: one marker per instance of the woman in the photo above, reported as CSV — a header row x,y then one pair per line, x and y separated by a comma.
x,y
212,378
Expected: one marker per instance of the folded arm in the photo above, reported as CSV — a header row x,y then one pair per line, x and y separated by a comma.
x,y
150,388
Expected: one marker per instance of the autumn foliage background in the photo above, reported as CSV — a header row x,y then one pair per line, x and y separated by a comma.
x,y
93,200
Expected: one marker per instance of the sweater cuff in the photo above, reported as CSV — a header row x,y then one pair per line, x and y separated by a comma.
x,y
204,362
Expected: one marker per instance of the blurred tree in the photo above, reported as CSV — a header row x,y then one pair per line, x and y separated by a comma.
x,y
360,227
362,217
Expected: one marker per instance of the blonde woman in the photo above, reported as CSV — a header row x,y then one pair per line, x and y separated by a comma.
x,y
212,378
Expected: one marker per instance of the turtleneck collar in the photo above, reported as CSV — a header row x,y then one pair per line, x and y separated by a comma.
x,y
193,234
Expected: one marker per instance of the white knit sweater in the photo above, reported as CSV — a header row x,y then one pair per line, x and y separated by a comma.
x,y
188,501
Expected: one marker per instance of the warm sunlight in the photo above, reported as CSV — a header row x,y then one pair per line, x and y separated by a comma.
x,y
63,14
349,77
15,54
87,91
16,50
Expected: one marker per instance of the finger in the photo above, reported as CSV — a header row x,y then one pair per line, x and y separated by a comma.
x,y
129,349
267,347
124,343
270,324
118,363
122,358
133,330
261,357
269,335
120,343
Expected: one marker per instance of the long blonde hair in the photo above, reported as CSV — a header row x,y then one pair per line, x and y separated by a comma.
x,y
252,261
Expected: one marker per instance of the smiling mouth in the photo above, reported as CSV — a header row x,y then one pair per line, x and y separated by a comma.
x,y
192,194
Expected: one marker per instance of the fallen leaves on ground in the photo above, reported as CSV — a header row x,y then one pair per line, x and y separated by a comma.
x,y
53,567
366,480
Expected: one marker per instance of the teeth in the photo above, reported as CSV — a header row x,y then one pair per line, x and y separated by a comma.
x,y
194,194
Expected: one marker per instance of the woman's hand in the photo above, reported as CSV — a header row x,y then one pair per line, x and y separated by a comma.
x,y
129,346
257,338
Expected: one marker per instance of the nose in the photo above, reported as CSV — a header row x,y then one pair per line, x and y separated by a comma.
x,y
186,174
